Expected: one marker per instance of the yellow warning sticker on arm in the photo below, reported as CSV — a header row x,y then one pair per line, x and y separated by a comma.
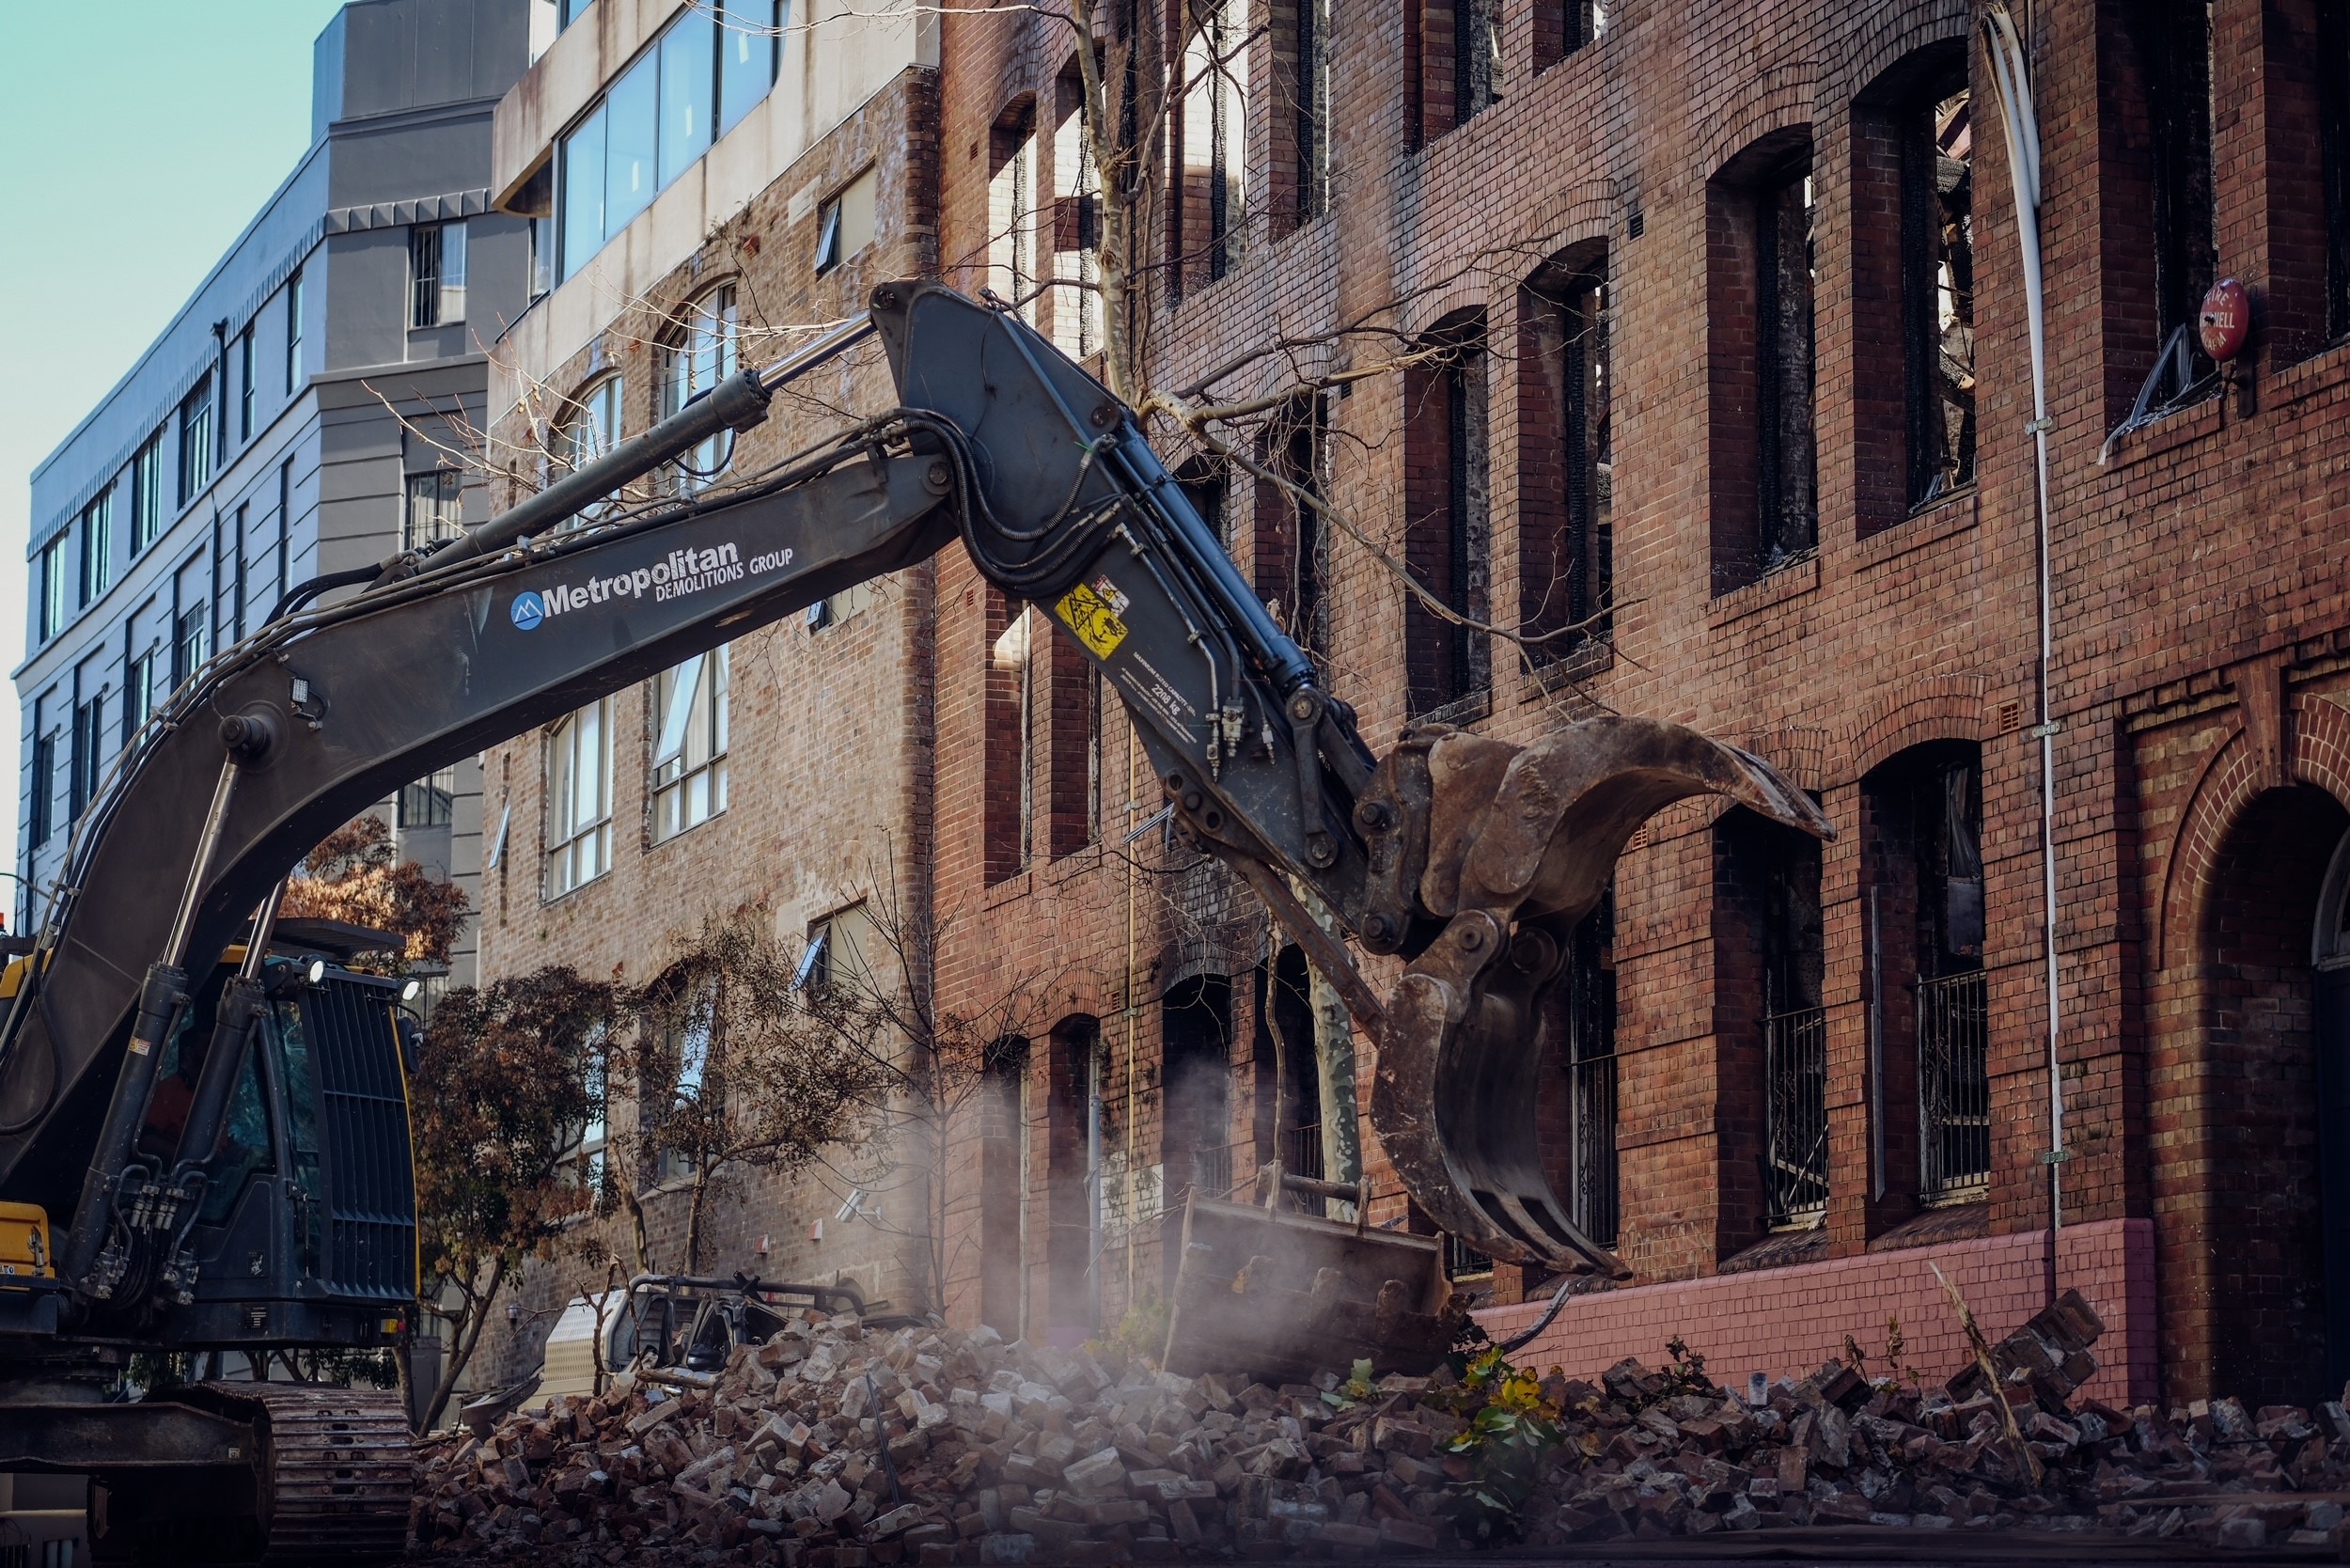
x,y
1090,610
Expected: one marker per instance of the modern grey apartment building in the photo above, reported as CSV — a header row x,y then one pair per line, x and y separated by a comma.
x,y
307,411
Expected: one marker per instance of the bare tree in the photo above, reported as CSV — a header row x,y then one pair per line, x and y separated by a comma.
x,y
733,1067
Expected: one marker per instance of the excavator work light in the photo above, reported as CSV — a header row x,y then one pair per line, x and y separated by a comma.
x,y
315,971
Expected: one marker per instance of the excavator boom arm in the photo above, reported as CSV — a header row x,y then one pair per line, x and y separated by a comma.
x,y
1431,854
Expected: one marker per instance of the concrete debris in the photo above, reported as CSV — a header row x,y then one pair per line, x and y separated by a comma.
x,y
836,1447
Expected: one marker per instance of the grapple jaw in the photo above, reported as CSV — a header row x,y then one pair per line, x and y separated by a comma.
x,y
1484,856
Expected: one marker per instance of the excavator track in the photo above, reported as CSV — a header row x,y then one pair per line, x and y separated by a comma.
x,y
334,1473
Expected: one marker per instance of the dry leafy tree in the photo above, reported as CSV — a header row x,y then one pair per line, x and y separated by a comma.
x,y
355,876
507,1083
728,1071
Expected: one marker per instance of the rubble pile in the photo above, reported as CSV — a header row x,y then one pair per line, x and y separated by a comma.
x,y
837,1445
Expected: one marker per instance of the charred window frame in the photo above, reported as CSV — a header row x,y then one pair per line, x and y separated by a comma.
x,y
1589,999
1447,522
2305,83
1291,549
2333,110
2159,202
1761,255
1563,27
1770,966
1566,535
1209,132
1926,917
1011,208
1787,499
1076,295
1300,39
1008,813
1938,288
1451,62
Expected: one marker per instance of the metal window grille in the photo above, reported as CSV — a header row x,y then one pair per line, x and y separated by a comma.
x,y
1595,1196
1210,1173
1794,1046
1301,1152
1463,1261
1954,1085
424,264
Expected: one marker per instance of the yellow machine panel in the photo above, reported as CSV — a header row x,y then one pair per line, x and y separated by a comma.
x,y
24,1244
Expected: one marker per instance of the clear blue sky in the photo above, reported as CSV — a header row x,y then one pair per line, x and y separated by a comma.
x,y
142,135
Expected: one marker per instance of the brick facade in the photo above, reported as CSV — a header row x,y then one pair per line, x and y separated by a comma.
x,y
2199,682
2208,546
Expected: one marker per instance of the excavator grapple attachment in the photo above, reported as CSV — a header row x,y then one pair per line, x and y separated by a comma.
x,y
1484,857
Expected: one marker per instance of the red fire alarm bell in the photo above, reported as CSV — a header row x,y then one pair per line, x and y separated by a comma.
x,y
2226,320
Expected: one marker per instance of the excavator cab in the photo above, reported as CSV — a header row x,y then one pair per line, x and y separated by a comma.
x,y
302,1232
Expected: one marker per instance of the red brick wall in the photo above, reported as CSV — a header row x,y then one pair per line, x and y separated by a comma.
x,y
2211,539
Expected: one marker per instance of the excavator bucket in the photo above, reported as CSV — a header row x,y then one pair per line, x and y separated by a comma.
x,y
1280,1295
1491,854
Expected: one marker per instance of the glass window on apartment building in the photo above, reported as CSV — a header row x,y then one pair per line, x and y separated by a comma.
x,y
436,274
430,801
1011,214
57,572
589,428
701,351
191,640
293,333
579,799
43,817
246,391
706,71
435,509
689,756
844,224
139,674
1566,455
195,441
839,951
147,493
88,758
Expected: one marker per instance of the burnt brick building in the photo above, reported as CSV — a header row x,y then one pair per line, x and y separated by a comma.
x,y
1694,346
1554,358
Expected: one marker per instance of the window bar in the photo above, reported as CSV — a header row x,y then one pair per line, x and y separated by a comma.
x,y
1953,1086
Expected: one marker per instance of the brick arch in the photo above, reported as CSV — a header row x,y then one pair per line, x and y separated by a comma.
x,y
2234,778
1473,291
1575,216
1895,32
1781,98
1930,708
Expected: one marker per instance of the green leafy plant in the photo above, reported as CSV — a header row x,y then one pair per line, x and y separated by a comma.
x,y
1356,1388
1495,1460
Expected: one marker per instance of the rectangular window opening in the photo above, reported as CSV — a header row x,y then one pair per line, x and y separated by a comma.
x,y
579,799
436,262
434,510
689,760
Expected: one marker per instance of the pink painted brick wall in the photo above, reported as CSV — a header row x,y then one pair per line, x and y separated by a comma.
x,y
1787,1321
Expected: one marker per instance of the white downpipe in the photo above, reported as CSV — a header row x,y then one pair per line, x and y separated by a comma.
x,y
2011,74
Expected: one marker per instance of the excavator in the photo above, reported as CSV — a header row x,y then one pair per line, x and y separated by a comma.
x,y
203,1113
